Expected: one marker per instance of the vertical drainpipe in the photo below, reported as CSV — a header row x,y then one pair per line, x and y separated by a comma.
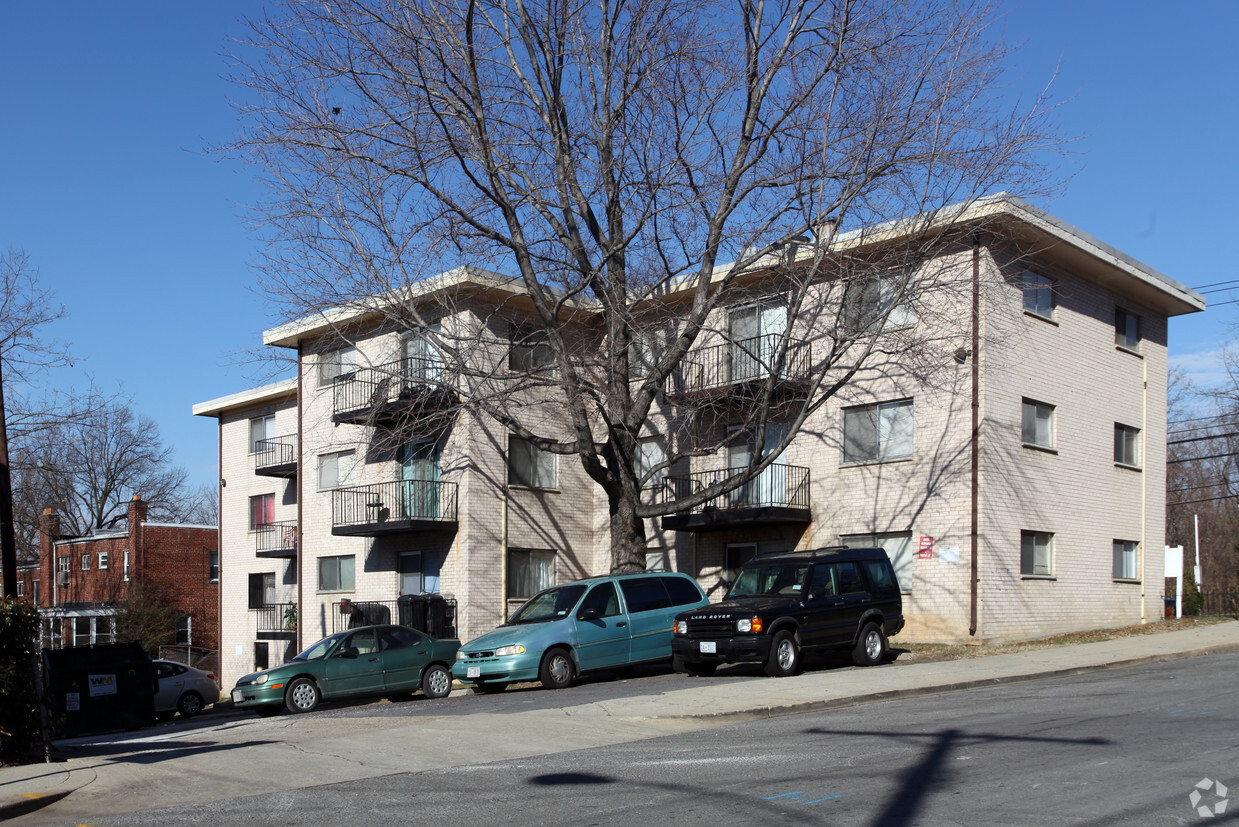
x,y
503,557
974,460
1144,491
299,479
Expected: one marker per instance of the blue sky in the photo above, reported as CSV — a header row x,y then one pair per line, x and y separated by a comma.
x,y
108,107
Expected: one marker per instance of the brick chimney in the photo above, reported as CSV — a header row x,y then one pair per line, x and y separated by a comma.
x,y
137,516
137,511
49,533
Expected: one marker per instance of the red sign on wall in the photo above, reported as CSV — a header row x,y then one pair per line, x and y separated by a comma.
x,y
927,549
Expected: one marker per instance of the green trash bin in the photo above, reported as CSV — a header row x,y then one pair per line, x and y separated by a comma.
x,y
101,688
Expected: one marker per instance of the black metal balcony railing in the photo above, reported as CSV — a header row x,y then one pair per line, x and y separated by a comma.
x,y
276,457
433,614
739,365
780,494
382,393
392,507
276,539
275,621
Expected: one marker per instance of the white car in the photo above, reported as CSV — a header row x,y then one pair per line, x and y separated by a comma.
x,y
182,689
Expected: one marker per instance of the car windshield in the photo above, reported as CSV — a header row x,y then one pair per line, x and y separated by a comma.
x,y
320,649
764,580
551,604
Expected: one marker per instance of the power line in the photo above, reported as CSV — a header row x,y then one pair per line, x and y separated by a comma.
x,y
1202,438
1194,459
1207,500
1204,287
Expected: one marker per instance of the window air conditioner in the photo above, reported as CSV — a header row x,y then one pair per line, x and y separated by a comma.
x,y
62,578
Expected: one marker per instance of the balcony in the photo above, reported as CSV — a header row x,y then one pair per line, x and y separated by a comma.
x,y
434,614
276,457
275,621
777,496
387,394
278,540
741,369
393,508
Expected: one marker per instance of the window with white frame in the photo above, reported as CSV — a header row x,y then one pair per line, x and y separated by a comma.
x,y
184,630
1126,329
336,470
530,352
62,563
529,572
262,428
337,364
34,591
1038,424
126,565
262,511
103,559
1038,295
878,433
651,454
1126,445
1036,554
876,303
1125,559
21,590
86,561
213,566
898,546
530,466
335,574
83,630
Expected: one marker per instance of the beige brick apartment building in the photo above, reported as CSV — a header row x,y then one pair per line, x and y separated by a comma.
x,y
1019,485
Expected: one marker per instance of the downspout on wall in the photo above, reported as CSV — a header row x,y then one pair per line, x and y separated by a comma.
x,y
974,459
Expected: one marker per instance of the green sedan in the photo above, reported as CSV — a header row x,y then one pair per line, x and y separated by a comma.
x,y
374,660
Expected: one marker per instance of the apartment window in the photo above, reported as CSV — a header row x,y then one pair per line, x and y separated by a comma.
x,y
1036,554
335,574
418,572
21,591
1038,295
337,364
86,562
898,546
262,589
651,454
1126,445
336,470
531,352
1124,560
62,563
876,433
1126,329
184,630
34,591
871,304
103,559
126,565
645,349
529,572
261,428
262,511
1038,424
213,566
530,466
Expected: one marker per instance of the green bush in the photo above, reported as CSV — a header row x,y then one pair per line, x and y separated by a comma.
x,y
19,716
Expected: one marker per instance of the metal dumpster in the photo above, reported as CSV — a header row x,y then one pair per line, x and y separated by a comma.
x,y
99,688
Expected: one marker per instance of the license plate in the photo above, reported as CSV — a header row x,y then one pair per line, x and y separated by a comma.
x,y
236,695
707,647
473,672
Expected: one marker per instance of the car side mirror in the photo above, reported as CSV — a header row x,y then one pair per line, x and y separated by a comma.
x,y
347,652
589,614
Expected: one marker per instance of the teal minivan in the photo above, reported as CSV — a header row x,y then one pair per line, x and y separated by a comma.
x,y
598,623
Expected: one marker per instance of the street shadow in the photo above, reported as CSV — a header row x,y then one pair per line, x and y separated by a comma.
x,y
129,752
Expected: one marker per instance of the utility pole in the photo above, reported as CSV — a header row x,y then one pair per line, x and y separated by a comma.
x,y
8,541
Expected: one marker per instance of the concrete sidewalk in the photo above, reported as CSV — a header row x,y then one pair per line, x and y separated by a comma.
x,y
244,755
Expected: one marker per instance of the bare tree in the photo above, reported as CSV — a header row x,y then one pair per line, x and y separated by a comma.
x,y
91,467
201,506
613,157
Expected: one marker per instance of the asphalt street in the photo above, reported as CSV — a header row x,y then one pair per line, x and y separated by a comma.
x,y
1119,747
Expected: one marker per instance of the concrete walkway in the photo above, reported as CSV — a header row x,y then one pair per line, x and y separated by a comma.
x,y
248,756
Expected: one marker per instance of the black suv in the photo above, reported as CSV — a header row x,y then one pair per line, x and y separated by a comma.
x,y
830,598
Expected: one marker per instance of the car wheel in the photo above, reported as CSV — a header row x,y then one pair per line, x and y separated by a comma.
x,y
302,695
268,711
557,668
189,705
164,716
871,647
784,655
489,688
437,682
